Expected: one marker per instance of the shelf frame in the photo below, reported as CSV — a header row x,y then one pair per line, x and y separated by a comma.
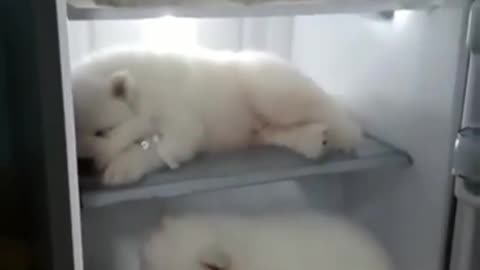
x,y
79,10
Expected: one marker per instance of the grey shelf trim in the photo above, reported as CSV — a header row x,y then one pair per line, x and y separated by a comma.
x,y
246,168
83,10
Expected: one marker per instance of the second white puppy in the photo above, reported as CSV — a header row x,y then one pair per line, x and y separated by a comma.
x,y
289,242
209,101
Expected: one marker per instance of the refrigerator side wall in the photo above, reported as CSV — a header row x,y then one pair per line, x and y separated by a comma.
x,y
399,76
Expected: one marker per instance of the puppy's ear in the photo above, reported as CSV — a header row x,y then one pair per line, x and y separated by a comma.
x,y
214,258
122,87
121,84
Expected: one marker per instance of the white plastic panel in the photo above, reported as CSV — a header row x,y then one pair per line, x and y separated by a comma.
x,y
400,77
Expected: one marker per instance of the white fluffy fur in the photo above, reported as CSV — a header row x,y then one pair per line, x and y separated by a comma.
x,y
209,101
287,242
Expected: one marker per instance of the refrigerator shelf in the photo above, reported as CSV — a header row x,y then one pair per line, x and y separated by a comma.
x,y
244,168
86,10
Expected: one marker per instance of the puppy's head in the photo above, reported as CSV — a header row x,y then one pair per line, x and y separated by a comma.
x,y
187,244
102,102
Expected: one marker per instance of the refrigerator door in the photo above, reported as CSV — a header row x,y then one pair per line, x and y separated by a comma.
x,y
466,160
471,109
42,145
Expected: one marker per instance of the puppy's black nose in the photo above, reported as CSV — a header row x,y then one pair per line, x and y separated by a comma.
x,y
86,166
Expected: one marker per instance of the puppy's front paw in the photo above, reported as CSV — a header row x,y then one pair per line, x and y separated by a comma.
x,y
103,154
123,171
312,141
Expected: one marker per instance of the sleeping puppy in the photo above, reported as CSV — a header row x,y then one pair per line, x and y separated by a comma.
x,y
199,102
289,242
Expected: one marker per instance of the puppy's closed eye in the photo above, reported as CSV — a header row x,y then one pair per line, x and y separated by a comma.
x,y
208,266
214,258
102,133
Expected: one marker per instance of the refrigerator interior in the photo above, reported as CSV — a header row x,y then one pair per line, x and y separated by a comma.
x,y
400,77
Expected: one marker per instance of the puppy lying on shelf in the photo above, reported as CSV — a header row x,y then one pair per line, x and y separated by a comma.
x,y
186,103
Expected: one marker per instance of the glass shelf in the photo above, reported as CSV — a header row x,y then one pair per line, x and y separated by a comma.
x,y
244,168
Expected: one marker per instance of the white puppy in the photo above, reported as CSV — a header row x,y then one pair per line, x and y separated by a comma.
x,y
294,242
208,101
